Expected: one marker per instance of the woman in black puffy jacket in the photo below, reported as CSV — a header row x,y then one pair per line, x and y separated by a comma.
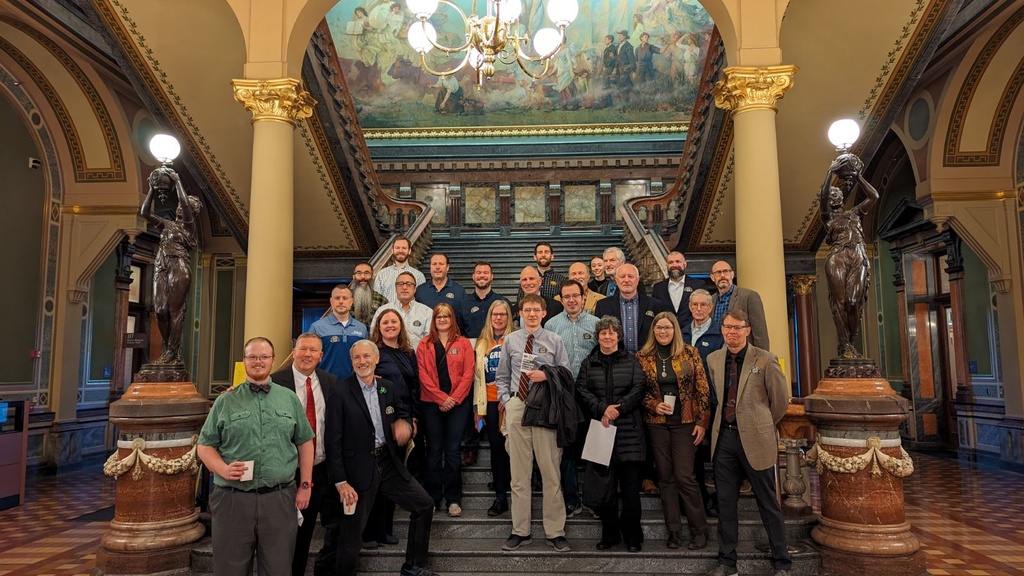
x,y
610,388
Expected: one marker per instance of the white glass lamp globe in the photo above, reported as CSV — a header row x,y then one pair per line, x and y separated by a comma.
x,y
563,12
422,36
422,8
546,41
511,10
475,58
843,133
164,147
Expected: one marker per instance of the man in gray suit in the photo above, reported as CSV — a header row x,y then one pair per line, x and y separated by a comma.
x,y
753,394
732,297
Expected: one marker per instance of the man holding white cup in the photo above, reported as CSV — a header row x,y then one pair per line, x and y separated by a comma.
x,y
367,424
677,402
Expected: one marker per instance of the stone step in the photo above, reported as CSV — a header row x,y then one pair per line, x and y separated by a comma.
x,y
484,556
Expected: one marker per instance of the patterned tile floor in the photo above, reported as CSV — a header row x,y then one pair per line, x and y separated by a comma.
x,y
970,521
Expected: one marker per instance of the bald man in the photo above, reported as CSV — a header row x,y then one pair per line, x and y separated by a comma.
x,y
579,272
529,283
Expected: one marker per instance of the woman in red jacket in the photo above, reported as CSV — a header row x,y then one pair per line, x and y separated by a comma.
x,y
446,362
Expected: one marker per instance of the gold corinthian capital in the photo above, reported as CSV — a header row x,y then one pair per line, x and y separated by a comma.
x,y
803,284
747,88
282,100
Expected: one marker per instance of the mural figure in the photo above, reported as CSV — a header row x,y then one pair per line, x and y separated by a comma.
x,y
847,268
625,64
449,96
173,270
645,59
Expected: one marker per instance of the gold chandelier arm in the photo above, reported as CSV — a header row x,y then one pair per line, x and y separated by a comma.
x,y
547,68
423,62
520,55
465,23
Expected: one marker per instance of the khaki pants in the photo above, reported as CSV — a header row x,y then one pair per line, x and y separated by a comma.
x,y
523,444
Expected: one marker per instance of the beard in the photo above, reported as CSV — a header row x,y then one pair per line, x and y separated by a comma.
x,y
675,273
362,300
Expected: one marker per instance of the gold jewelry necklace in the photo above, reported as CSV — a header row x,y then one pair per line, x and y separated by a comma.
x,y
664,364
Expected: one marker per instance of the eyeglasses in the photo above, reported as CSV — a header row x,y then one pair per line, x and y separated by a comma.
x,y
700,304
253,358
721,272
663,328
405,284
498,314
443,316
571,296
734,327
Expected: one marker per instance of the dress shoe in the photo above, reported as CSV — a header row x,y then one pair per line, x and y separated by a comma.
x,y
410,570
633,548
650,488
723,570
497,508
607,543
454,510
370,545
698,541
675,540
745,487
469,458
390,539
711,510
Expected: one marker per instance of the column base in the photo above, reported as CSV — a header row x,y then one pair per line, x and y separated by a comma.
x,y
150,562
843,564
879,540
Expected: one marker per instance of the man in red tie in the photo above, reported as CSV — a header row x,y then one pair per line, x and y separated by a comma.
x,y
313,387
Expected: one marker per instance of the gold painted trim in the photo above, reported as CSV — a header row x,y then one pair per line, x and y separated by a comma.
x,y
513,131
747,88
973,196
99,210
803,284
280,100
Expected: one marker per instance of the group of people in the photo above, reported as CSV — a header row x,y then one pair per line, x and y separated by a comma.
x,y
367,419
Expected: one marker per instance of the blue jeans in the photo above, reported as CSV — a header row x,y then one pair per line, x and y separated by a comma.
x,y
443,432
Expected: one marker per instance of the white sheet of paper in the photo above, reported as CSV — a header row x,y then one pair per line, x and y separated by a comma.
x,y
599,444
299,512
247,475
530,363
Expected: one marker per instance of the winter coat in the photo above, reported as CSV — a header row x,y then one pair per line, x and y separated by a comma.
x,y
615,379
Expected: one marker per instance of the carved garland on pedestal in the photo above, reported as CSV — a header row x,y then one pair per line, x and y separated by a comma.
x,y
899,467
114,466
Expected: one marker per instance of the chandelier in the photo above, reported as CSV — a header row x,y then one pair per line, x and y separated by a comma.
x,y
495,36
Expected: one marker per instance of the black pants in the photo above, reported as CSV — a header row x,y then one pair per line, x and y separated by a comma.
x,y
628,522
381,522
501,471
408,494
323,500
471,436
444,456
731,466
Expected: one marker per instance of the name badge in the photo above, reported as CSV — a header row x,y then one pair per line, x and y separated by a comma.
x,y
650,313
704,344
389,410
755,370
687,289
453,351
335,339
587,336
474,309
417,323
542,350
450,296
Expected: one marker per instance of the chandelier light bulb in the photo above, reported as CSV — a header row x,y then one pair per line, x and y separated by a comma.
x,y
422,36
843,133
475,58
164,148
510,10
546,41
563,12
423,9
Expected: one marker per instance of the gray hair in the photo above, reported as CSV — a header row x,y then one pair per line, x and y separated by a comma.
x,y
607,322
365,342
617,251
701,292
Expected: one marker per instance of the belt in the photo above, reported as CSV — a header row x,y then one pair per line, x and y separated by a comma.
x,y
380,450
262,490
728,426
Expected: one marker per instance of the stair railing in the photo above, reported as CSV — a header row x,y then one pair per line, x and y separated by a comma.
x,y
647,249
418,231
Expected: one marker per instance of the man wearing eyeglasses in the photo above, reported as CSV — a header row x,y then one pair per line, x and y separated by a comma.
x,y
675,290
753,394
415,316
252,441
733,297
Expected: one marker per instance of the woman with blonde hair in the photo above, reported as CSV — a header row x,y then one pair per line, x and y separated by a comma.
x,y
677,403
485,399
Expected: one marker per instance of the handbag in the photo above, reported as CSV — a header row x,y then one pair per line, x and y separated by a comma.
x,y
599,485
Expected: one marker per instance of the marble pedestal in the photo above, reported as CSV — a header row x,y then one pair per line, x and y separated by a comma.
x,y
155,518
862,528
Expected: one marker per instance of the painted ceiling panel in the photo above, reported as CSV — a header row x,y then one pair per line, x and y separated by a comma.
x,y
989,93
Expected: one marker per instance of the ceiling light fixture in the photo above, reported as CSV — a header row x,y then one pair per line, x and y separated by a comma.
x,y
494,36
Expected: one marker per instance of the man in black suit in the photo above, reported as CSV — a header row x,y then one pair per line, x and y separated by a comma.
x,y
633,309
675,290
367,425
314,387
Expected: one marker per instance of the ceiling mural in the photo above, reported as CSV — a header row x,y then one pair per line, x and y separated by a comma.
x,y
661,45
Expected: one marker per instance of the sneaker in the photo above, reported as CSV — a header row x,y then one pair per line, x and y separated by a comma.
x,y
497,508
723,570
571,511
454,510
745,487
559,543
515,541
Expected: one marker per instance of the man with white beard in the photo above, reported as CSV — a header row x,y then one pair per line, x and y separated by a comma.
x,y
365,300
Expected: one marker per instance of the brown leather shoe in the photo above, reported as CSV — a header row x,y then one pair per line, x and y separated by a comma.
x,y
649,487
469,458
675,539
698,541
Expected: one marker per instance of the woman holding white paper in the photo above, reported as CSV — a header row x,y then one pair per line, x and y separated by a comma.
x,y
610,388
677,411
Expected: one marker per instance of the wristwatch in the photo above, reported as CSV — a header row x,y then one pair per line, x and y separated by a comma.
x,y
306,485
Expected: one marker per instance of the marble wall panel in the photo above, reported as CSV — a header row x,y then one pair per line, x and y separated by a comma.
x,y
626,190
580,203
437,197
481,204
529,204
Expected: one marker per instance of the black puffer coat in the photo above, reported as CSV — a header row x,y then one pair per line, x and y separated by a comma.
x,y
615,379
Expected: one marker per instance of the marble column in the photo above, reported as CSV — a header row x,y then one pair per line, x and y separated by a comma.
x,y
276,106
751,94
807,332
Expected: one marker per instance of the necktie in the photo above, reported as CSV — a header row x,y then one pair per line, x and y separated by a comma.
x,y
730,393
311,407
524,380
265,388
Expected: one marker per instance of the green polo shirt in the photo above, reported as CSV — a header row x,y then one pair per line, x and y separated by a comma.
x,y
263,427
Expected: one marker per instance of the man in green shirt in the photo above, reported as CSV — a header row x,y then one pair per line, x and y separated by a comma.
x,y
254,438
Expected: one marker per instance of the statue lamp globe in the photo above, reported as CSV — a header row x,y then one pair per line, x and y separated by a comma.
x,y
165,148
843,133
